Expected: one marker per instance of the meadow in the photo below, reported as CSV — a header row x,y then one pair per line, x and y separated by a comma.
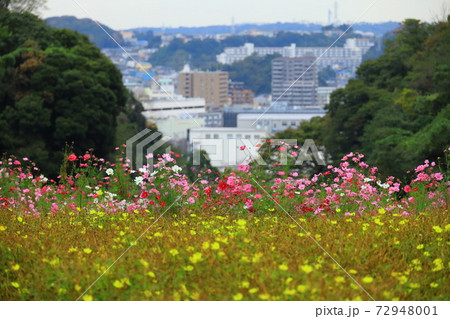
x,y
103,231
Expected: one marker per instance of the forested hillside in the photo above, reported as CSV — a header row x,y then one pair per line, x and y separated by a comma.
x,y
90,28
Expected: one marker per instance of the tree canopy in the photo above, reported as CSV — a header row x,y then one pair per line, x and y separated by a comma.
x,y
55,87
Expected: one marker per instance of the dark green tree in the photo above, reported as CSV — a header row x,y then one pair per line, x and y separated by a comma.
x,y
55,87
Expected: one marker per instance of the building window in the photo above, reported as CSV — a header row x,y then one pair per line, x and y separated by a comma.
x,y
292,123
229,136
284,123
208,136
247,136
238,135
216,136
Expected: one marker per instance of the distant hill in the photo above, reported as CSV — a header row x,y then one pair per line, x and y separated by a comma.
x,y
377,28
89,28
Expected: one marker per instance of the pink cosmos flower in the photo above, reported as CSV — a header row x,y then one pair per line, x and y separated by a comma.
x,y
72,157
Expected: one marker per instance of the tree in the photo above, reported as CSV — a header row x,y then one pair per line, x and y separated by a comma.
x,y
33,6
55,87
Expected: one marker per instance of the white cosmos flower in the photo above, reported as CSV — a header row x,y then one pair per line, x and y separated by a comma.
x,y
176,168
139,180
109,171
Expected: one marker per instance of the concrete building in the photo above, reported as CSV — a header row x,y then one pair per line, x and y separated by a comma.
x,y
223,144
211,86
349,56
176,127
239,94
274,122
295,81
323,95
174,106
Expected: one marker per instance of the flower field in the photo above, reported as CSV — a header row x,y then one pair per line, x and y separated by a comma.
x,y
103,231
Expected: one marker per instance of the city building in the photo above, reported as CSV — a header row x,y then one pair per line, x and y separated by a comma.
x,y
176,128
323,95
295,81
174,106
211,86
274,122
239,94
349,56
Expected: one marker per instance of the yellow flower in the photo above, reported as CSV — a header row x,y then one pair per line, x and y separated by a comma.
x,y
253,290
195,258
87,250
15,284
77,287
381,211
188,268
20,219
434,285
307,268
339,279
302,288
144,263
87,297
289,292
15,267
283,267
205,245
238,296
241,222
118,284
367,280
3,228
437,229
438,264
215,246
419,247
257,257
151,274
173,252
403,279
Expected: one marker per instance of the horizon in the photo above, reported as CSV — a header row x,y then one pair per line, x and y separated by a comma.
x,y
171,14
223,25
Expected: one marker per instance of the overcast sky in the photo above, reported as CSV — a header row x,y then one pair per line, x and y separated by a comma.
x,y
123,14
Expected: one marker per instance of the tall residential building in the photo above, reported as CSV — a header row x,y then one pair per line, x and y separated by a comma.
x,y
295,81
212,86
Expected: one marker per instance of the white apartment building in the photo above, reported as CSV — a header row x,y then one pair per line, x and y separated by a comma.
x,y
172,107
275,122
349,56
